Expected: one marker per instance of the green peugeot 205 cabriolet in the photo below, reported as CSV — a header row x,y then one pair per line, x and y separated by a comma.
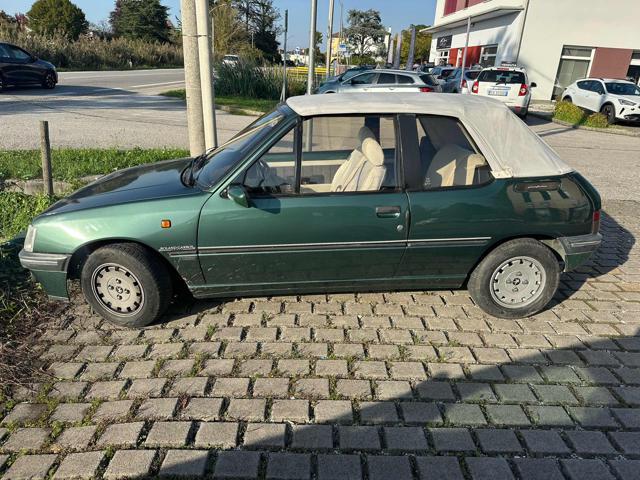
x,y
353,192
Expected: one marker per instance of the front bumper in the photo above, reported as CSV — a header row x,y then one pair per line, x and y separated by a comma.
x,y
577,250
50,269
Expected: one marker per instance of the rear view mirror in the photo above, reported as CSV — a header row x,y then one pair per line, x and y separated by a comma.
x,y
238,194
533,85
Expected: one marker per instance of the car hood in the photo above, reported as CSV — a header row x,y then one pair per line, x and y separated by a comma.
x,y
45,64
631,98
142,183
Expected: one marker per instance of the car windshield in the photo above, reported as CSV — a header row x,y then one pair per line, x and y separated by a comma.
x,y
501,76
471,74
619,88
219,162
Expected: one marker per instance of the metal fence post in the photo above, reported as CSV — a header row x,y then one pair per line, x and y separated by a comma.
x,y
45,150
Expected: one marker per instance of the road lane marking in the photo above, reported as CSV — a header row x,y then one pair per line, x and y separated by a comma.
x,y
156,84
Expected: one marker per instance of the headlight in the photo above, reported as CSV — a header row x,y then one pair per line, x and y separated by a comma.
x,y
30,239
626,102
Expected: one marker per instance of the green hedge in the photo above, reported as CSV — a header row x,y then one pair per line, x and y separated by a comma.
x,y
570,113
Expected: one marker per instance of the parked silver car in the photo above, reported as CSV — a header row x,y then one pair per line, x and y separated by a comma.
x,y
385,80
452,83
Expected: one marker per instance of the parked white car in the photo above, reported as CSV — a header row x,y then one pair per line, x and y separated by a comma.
x,y
617,99
509,84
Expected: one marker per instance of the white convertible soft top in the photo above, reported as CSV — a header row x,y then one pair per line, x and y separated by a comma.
x,y
511,148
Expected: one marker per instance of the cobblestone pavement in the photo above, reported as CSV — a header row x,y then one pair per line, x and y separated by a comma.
x,y
411,385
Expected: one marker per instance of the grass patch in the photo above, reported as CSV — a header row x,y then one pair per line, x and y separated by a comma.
x,y
71,164
574,115
16,211
235,103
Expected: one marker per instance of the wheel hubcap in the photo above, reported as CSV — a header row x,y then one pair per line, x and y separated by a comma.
x,y
117,289
518,282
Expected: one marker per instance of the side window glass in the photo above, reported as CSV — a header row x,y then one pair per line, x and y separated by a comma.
x,y
386,79
348,154
18,54
598,88
405,80
364,79
584,85
448,158
274,172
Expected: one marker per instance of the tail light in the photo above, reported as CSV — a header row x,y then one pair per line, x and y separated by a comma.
x,y
595,226
426,89
474,89
523,90
464,83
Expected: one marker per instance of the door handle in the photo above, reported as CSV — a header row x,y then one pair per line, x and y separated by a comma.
x,y
388,212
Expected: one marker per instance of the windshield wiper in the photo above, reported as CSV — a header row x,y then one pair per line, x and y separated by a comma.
x,y
195,164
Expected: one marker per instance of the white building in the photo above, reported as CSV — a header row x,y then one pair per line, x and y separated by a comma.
x,y
557,41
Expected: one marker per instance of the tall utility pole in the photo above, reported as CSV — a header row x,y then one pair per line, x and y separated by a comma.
x,y
283,94
330,39
390,50
396,61
412,49
340,39
464,55
312,46
206,72
192,78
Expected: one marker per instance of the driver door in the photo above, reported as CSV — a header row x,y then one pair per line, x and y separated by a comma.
x,y
299,233
361,83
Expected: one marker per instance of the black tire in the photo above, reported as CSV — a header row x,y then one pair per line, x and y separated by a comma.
x,y
567,99
609,111
133,271
49,81
497,269
2,85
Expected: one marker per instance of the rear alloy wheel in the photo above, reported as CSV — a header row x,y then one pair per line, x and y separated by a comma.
x,y
609,112
126,285
516,280
49,81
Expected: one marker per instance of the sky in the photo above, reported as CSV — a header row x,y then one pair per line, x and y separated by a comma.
x,y
397,14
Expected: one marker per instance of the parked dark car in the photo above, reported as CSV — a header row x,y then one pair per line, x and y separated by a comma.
x,y
19,67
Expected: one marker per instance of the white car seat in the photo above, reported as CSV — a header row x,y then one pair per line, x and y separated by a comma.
x,y
373,170
348,169
452,166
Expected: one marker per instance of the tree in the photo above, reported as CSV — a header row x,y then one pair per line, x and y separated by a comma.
x,y
321,58
141,19
365,33
230,33
4,18
259,19
47,17
423,44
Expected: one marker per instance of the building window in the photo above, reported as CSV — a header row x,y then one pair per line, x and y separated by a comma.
x,y
450,6
488,55
442,58
575,63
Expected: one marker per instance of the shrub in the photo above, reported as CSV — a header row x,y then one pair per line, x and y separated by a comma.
x,y
16,211
568,112
93,53
596,120
252,81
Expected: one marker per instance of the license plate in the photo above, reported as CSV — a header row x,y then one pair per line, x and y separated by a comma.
x,y
499,92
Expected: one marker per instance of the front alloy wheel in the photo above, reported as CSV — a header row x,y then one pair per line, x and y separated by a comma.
x,y
49,81
515,280
126,284
610,112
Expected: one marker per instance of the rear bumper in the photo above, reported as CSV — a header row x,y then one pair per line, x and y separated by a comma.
x,y
50,270
577,250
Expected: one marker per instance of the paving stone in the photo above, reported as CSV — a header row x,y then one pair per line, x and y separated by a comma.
x,y
121,435
475,392
206,349
79,465
147,387
312,387
544,442
75,438
370,370
333,411
628,442
630,395
393,390
405,439
113,410
549,416
555,394
230,387
130,464
105,390
24,413
452,440
184,463
253,368
203,409
486,373
583,469
290,410
384,467
378,412
596,396
99,371
464,414
265,435
165,350
538,469
237,464
220,435
251,410
626,469
3,460
357,389
168,434
30,439
271,387
514,393
493,440
628,417
433,390
521,373
65,370
217,367
293,367
597,375
446,371
67,390
589,443
511,415
157,409
30,467
312,437
593,417
126,352
70,412
289,466
439,468
421,413
190,386
359,438
339,467
331,368
489,468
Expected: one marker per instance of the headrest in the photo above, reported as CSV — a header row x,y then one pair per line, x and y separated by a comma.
x,y
364,133
451,152
373,151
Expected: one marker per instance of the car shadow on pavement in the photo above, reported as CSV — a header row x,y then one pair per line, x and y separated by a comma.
x,y
408,385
